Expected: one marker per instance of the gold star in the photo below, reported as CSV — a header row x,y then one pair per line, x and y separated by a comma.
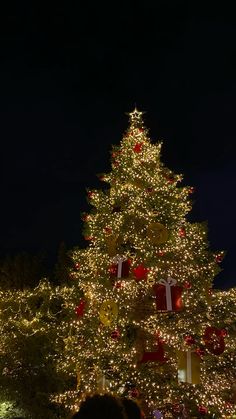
x,y
135,118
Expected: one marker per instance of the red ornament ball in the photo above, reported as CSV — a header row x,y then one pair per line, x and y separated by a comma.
x,y
182,232
187,285
200,352
134,393
108,230
77,266
214,340
219,258
140,272
191,189
115,334
138,147
202,410
118,284
189,340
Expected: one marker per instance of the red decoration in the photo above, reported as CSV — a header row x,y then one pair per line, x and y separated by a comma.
x,y
91,194
88,238
191,189
202,410
108,230
85,217
77,266
134,393
138,147
120,269
219,258
182,232
150,190
160,253
200,352
168,295
214,340
187,285
115,334
154,356
80,308
189,340
224,332
140,272
118,284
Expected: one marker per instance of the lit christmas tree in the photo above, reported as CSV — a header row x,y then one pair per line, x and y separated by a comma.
x,y
148,325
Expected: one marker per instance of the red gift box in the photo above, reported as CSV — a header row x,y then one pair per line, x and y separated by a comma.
x,y
154,356
120,269
168,295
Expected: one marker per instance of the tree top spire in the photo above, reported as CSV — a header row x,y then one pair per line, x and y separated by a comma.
x,y
136,118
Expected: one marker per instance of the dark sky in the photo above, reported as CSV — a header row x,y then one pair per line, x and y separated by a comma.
x,y
68,75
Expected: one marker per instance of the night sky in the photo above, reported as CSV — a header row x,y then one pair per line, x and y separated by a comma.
x,y
69,74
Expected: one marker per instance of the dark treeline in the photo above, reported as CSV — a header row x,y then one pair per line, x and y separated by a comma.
x,y
25,270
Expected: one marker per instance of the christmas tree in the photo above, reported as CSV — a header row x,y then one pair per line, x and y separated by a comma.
x,y
148,325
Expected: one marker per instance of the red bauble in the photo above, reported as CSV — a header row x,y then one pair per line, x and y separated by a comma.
x,y
182,232
134,393
191,189
108,230
80,308
160,253
140,272
77,266
91,195
138,147
202,410
189,340
219,258
200,352
85,217
88,238
187,285
214,340
118,284
115,334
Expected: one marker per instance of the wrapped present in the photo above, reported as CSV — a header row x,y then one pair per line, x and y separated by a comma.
x,y
103,384
168,295
189,367
120,267
154,356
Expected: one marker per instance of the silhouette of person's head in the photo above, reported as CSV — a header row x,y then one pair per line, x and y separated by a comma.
x,y
132,409
101,407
